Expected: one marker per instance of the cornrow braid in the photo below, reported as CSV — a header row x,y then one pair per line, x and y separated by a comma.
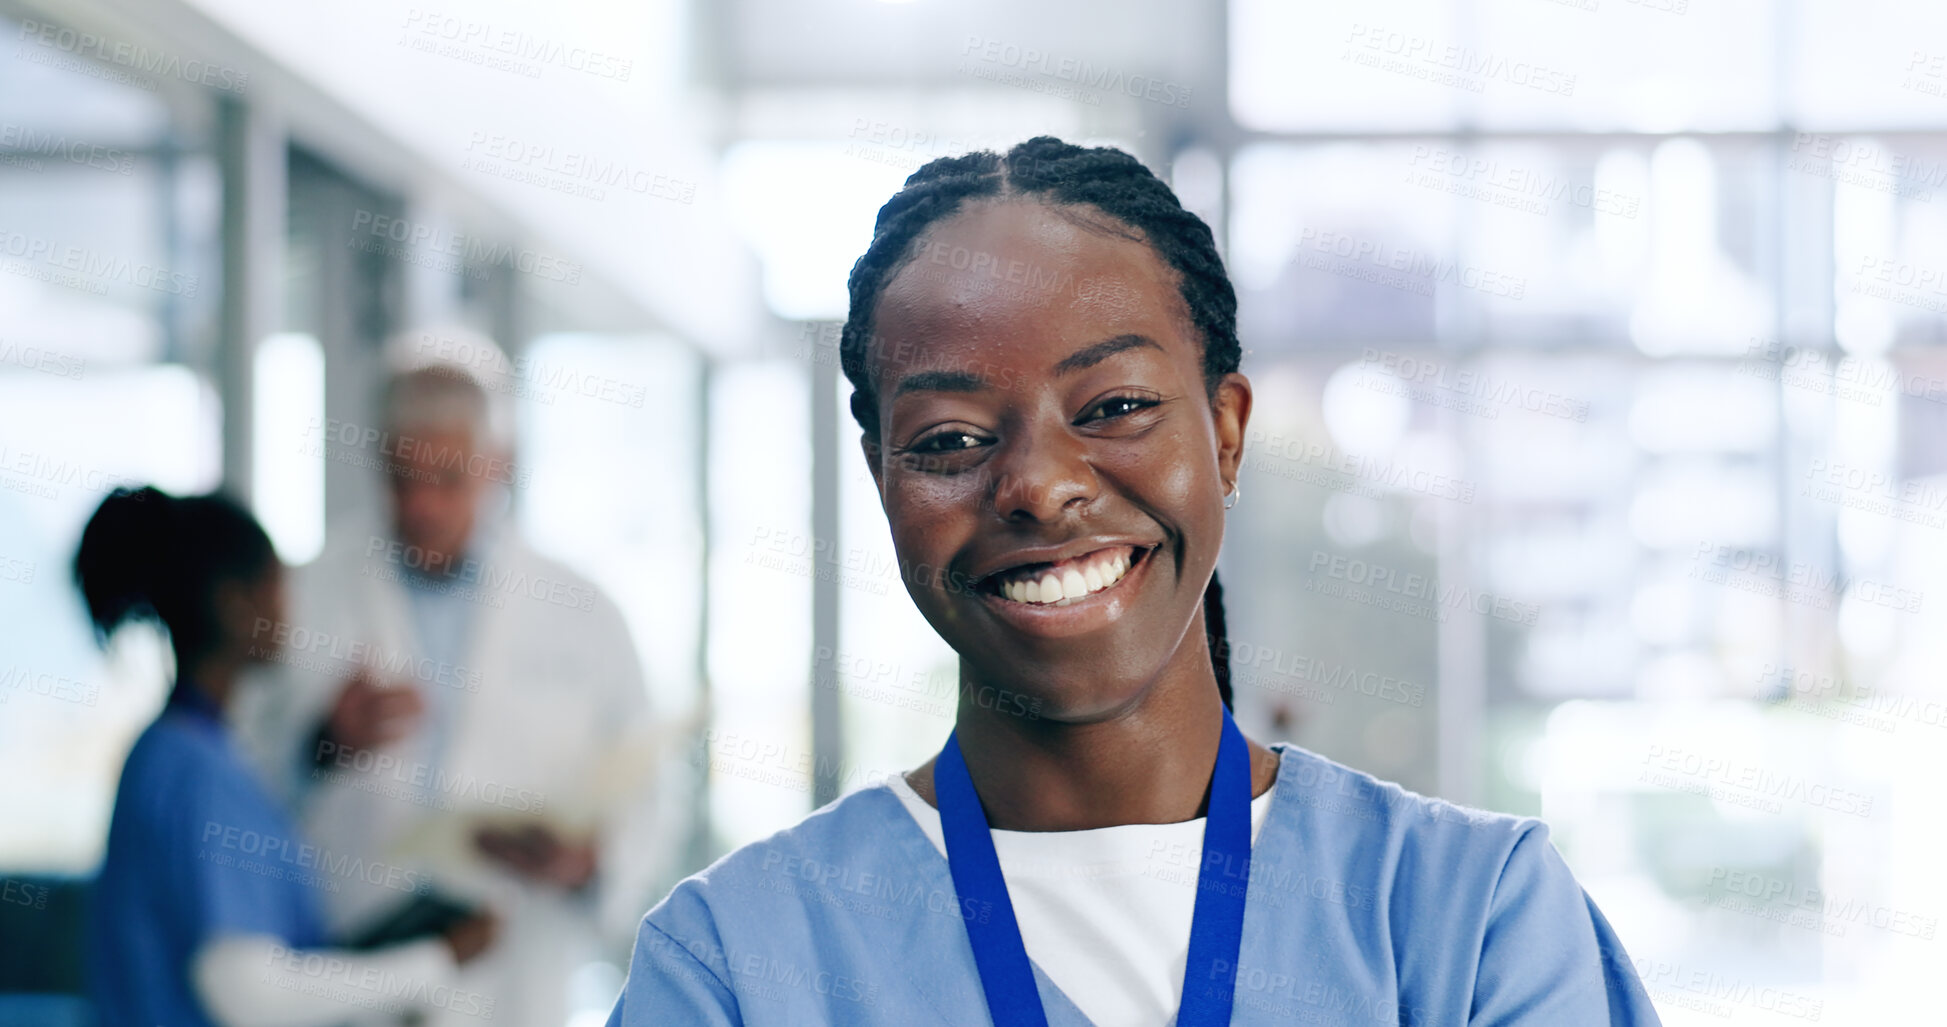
x,y
1044,168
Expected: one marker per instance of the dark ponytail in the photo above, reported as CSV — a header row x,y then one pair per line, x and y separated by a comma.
x,y
1050,171
147,555
1218,635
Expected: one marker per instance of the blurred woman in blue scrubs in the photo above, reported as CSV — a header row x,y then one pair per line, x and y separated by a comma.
x,y
1044,358
206,911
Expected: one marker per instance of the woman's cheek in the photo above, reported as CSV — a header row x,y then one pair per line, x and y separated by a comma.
x,y
1167,470
919,514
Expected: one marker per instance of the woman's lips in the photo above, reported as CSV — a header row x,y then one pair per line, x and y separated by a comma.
x,y
1054,584
1063,617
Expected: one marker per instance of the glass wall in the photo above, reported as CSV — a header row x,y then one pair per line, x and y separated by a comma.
x,y
1595,464
198,280
108,292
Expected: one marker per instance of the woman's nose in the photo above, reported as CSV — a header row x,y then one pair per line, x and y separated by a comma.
x,y
1042,472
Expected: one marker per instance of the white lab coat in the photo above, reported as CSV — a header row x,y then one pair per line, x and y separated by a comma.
x,y
549,725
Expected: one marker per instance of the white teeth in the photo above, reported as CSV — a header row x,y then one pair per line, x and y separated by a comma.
x,y
1072,583
1049,590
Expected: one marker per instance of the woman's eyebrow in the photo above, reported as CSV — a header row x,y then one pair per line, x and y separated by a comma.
x,y
1089,356
940,381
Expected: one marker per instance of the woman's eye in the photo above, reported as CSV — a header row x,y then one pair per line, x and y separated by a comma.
x,y
1120,406
946,442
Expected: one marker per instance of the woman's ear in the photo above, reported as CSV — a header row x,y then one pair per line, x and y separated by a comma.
x,y
1232,410
236,611
246,609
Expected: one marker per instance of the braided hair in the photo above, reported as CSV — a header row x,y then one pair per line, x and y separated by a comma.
x,y
1061,174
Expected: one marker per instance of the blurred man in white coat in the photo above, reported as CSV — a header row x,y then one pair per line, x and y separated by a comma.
x,y
457,710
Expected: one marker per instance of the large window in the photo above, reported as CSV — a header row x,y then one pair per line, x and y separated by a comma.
x,y
107,283
1596,470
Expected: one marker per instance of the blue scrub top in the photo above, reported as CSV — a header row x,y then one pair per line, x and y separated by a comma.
x,y
196,849
1366,905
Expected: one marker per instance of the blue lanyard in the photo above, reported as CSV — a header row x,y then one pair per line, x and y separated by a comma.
x,y
1216,926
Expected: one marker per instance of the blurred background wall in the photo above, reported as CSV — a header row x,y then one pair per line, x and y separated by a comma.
x,y
1597,470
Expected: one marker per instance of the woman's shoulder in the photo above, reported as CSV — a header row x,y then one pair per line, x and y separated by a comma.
x,y
1474,910
853,844
1356,812
181,774
175,743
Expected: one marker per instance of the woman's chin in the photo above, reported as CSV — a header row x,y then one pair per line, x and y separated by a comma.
x,y
1082,697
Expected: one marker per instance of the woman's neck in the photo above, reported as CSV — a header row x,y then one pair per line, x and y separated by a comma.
x,y
1150,764
213,676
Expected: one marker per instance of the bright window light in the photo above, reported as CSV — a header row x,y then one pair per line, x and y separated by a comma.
x,y
288,483
807,209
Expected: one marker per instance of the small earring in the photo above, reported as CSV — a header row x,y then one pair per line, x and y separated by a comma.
x,y
1230,498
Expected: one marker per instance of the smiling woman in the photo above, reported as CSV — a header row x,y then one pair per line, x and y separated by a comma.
x,y
1055,432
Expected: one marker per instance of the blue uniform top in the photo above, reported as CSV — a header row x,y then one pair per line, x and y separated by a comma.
x,y
196,849
1366,905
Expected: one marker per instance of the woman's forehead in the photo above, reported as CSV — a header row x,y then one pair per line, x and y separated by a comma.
x,y
1024,272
